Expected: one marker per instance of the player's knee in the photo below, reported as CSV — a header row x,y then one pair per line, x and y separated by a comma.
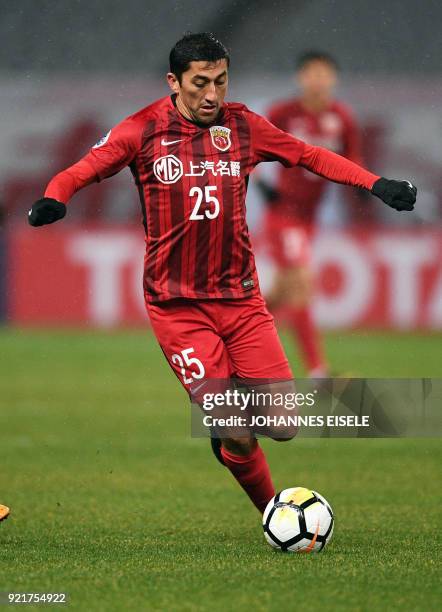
x,y
299,299
280,433
287,439
283,432
299,287
239,446
274,413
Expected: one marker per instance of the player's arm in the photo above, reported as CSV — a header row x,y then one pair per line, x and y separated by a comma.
x,y
52,206
271,144
400,195
110,155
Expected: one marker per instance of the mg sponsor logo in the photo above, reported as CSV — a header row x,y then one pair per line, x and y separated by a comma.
x,y
168,169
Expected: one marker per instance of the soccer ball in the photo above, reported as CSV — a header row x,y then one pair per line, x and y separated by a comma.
x,y
298,520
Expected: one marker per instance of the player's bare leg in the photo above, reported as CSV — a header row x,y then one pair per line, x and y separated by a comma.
x,y
293,287
244,457
239,446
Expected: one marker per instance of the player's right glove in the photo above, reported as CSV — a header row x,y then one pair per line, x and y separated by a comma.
x,y
400,195
46,210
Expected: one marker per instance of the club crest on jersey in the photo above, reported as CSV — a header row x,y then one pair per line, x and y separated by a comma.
x,y
220,136
102,140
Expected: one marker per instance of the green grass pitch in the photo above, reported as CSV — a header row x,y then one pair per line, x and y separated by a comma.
x,y
114,503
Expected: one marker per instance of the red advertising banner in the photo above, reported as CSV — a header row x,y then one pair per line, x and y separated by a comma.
x,y
78,276
371,278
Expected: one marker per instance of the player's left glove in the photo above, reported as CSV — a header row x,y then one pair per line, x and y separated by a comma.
x,y
400,195
46,210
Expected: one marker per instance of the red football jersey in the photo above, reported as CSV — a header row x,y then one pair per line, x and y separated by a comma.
x,y
192,182
333,128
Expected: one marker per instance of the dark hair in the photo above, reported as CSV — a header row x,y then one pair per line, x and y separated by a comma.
x,y
316,56
196,48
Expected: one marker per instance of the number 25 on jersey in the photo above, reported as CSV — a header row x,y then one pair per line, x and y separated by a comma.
x,y
211,205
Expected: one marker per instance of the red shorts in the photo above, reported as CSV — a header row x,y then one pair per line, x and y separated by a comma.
x,y
288,241
219,339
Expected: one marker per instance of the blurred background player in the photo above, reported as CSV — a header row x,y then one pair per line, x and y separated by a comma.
x,y
318,118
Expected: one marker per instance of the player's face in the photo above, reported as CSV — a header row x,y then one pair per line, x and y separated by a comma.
x,y
202,90
317,79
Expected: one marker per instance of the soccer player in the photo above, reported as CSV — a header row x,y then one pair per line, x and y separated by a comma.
x,y
292,204
191,154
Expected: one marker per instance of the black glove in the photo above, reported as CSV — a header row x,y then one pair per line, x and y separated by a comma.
x,y
46,210
400,195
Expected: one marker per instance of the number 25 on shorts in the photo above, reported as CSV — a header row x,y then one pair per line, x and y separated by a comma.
x,y
186,365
